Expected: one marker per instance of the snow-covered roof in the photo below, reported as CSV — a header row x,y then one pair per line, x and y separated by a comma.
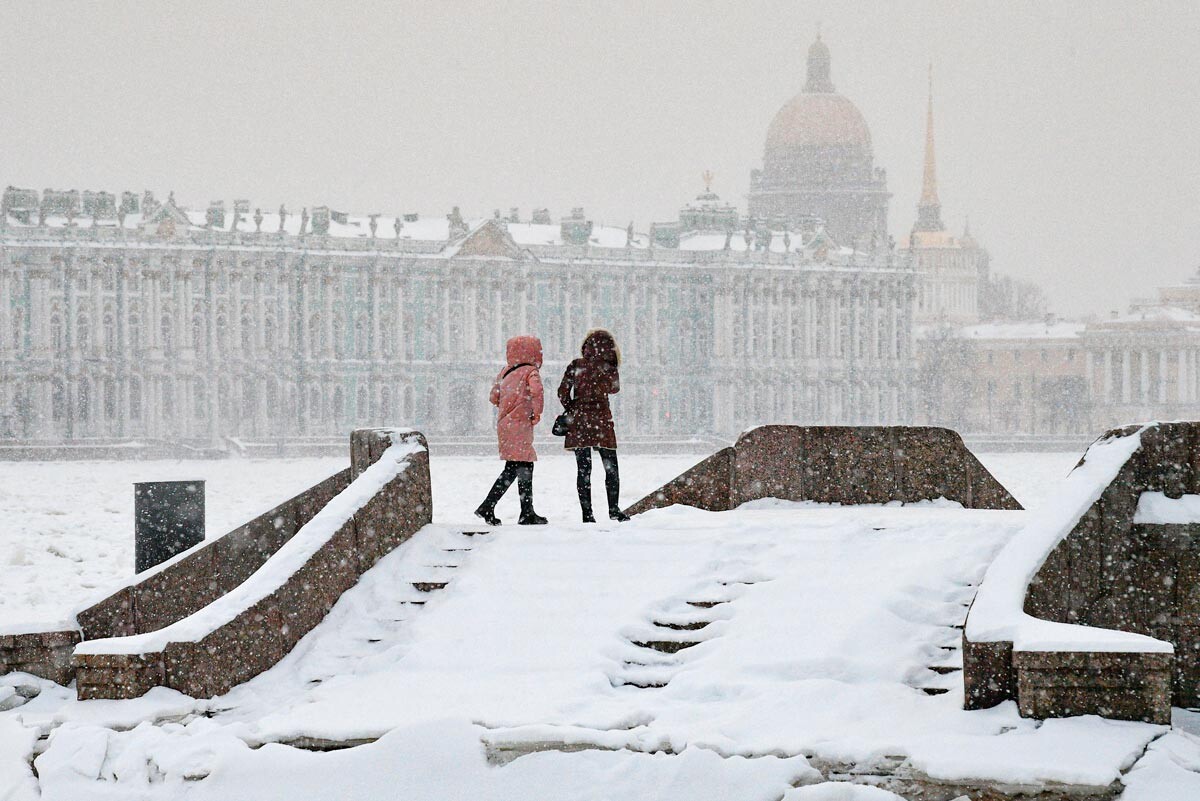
x,y
1154,313
1066,329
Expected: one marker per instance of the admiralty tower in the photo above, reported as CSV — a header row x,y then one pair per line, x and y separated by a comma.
x,y
818,162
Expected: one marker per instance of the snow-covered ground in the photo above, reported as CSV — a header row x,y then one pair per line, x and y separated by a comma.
x,y
66,528
524,677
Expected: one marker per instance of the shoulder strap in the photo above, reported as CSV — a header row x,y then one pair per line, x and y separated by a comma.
x,y
514,367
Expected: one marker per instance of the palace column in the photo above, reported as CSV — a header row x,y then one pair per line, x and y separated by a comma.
x,y
123,269
1181,376
263,364
374,289
1126,375
1162,376
1106,380
6,299
327,284
70,355
1144,376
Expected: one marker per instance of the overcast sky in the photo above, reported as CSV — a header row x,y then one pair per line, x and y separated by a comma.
x,y
1069,132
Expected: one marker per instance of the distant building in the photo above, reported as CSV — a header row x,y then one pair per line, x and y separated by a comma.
x,y
230,328
818,162
1062,378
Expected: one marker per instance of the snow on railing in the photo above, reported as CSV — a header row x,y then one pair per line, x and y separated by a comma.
x,y
290,558
998,615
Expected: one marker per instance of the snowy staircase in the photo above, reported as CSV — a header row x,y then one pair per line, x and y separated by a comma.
x,y
659,650
942,674
367,629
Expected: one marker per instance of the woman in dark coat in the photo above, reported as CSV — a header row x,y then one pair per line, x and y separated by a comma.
x,y
584,391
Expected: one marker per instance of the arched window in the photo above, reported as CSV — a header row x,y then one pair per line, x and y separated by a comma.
x,y
361,340
314,404
18,331
339,405
199,399
110,399
428,414
269,334
224,400
249,398
247,337
362,407
58,401
56,333
84,333
135,333
135,399
408,404
222,336
110,335
314,336
385,405
339,336
198,334
85,399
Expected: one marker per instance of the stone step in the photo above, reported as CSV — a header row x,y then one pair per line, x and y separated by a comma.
x,y
429,586
641,684
934,690
696,626
475,533
664,646
706,604
944,669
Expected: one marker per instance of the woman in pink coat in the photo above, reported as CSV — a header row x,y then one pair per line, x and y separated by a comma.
x,y
518,395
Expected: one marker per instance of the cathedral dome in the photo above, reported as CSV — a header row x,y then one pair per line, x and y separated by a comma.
x,y
818,135
813,119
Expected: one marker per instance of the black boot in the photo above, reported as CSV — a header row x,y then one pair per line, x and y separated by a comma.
x,y
583,482
525,488
487,509
612,484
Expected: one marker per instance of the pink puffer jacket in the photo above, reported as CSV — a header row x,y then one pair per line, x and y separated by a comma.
x,y
518,395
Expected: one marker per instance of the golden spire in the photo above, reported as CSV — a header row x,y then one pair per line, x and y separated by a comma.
x,y
929,189
929,210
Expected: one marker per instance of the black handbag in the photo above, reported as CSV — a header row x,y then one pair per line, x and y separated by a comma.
x,y
562,424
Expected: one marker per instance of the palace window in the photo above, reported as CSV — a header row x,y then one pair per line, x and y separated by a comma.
x,y
58,401
84,332
168,340
135,399
85,400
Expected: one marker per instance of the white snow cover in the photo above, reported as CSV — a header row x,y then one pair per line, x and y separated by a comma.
x,y
278,569
833,618
1156,507
998,613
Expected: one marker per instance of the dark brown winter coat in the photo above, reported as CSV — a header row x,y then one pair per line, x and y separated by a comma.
x,y
584,391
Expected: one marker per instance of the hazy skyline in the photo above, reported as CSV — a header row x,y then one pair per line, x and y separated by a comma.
x,y
1068,134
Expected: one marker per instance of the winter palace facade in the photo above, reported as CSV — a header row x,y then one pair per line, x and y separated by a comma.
x,y
137,320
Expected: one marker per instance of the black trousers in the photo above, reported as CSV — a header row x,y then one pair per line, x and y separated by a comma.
x,y
522,473
583,478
